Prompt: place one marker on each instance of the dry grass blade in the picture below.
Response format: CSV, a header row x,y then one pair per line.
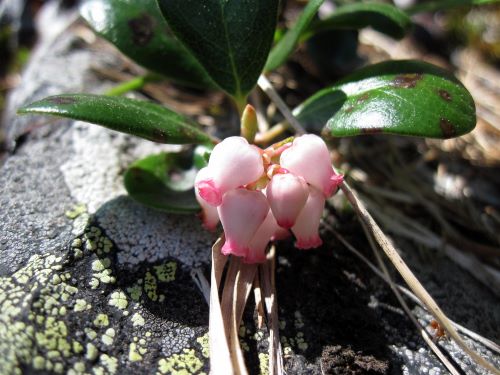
x,y
410,278
259,306
444,360
220,358
268,88
268,286
237,288
406,227
473,335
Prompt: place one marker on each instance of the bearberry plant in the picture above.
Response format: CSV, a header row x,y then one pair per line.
x,y
258,194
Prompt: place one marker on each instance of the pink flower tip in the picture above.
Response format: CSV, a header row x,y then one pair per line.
x,y
280,234
230,247
334,183
209,192
308,243
287,224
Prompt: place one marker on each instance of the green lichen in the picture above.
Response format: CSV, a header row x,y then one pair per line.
x,y
101,320
135,292
133,353
109,363
180,364
119,300
38,338
76,211
301,343
166,271
264,363
298,322
91,351
150,286
108,337
101,264
91,334
137,320
81,305
205,345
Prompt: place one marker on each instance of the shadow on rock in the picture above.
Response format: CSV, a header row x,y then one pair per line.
x,y
152,258
323,302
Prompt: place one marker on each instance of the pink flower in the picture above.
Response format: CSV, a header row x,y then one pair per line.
x,y
260,240
209,214
280,234
258,199
233,163
287,194
241,213
309,158
306,228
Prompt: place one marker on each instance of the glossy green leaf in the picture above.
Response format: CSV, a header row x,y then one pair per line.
x,y
201,155
382,17
157,182
433,6
230,38
140,118
397,97
138,29
287,43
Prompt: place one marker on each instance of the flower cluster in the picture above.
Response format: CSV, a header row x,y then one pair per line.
x,y
260,195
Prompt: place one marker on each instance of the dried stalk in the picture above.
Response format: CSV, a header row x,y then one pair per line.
x,y
410,278
268,88
383,241
411,229
220,357
405,307
268,286
473,335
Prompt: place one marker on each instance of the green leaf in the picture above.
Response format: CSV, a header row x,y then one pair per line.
x,y
138,29
201,155
140,118
396,97
434,6
157,182
385,18
230,38
287,43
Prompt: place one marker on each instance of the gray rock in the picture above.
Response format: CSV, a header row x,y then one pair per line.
x,y
93,282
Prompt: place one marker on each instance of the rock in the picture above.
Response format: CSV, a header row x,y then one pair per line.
x,y
93,282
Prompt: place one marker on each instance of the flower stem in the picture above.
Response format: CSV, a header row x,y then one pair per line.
x,y
136,83
270,91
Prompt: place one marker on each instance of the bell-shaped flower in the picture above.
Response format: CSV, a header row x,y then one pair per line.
x,y
287,195
241,214
280,234
260,240
309,158
209,214
306,228
233,163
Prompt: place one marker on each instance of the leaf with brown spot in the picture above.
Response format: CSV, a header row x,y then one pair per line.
x,y
140,118
61,100
407,81
142,28
394,97
445,95
138,30
447,128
